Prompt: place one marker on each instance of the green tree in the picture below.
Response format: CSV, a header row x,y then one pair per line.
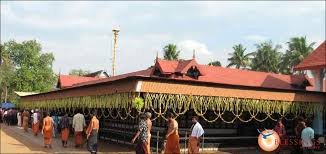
x,y
33,69
298,49
171,52
267,58
238,58
215,63
78,72
6,75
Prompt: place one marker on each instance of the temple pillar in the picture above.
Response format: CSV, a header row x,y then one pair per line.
x,y
318,115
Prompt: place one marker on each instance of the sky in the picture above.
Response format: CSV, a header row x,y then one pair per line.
x,y
79,34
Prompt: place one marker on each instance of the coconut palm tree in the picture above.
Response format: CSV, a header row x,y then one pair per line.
x,y
298,49
266,58
238,58
171,52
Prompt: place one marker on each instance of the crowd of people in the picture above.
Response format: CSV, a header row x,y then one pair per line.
x,y
50,125
171,139
304,134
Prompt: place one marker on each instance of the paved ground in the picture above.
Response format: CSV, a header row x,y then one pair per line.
x,y
15,140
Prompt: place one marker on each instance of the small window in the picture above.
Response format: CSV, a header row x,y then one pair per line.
x,y
193,72
157,72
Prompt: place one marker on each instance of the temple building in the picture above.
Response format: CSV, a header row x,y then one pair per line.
x,y
231,103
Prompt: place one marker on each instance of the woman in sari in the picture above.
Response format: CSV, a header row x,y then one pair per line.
x,y
47,130
142,136
64,124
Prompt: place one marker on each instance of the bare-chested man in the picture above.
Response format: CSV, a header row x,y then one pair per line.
x,y
172,136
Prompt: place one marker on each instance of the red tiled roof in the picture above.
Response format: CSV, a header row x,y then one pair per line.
x,y
316,60
146,72
215,74
167,66
69,80
250,78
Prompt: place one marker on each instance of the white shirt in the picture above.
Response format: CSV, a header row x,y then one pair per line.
x,y
35,117
197,130
307,135
78,122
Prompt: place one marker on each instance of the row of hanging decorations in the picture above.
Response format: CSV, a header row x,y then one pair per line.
x,y
121,106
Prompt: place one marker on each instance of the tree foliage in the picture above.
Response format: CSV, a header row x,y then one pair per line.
x,y
171,52
6,74
238,57
267,58
215,63
298,49
78,72
32,69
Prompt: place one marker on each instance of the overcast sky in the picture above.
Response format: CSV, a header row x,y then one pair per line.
x,y
79,33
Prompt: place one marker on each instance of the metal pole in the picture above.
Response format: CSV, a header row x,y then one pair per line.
x,y
115,36
157,139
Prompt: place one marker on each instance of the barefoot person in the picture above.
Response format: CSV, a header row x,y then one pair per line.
x,y
78,123
25,116
194,140
92,133
141,135
149,127
47,130
172,136
36,122
64,124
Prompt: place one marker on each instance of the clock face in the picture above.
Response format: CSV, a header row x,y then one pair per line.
x,y
269,140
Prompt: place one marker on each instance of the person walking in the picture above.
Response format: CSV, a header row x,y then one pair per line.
x,y
78,124
47,130
92,133
26,116
196,131
64,124
19,119
36,122
307,138
149,128
141,135
172,136
55,124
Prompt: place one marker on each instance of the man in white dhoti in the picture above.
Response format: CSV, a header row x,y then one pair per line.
x,y
36,122
194,139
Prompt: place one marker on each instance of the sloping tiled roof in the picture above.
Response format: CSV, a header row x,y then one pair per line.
x,y
215,74
316,60
146,72
69,80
